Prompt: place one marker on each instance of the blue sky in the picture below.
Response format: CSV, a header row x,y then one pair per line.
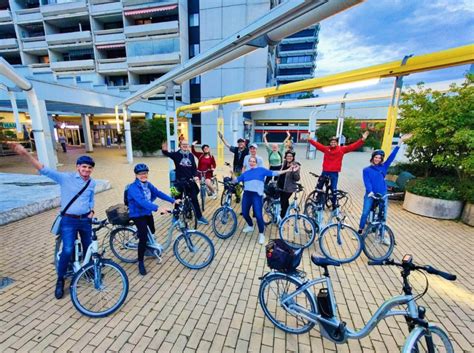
x,y
378,31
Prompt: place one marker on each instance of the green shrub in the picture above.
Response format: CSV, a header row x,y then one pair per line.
x,y
418,169
435,187
373,141
466,187
148,135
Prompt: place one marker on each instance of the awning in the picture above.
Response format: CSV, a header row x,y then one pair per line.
x,y
150,10
111,46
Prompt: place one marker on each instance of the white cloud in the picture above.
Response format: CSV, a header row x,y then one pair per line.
x,y
441,13
341,50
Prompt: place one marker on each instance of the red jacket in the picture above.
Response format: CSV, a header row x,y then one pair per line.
x,y
332,161
204,163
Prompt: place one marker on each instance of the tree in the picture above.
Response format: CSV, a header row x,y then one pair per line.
x,y
351,131
442,125
148,135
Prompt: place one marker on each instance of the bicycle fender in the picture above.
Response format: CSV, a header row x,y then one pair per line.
x,y
410,341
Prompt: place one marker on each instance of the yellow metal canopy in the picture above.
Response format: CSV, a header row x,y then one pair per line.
x,y
438,60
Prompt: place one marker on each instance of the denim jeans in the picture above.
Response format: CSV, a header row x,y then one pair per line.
x,y
69,229
254,200
333,177
368,202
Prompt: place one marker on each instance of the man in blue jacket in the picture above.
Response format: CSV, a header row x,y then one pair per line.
x,y
140,195
374,179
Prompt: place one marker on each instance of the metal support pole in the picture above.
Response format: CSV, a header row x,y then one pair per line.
x,y
41,131
220,129
340,118
117,118
311,150
11,94
86,129
128,134
175,119
234,121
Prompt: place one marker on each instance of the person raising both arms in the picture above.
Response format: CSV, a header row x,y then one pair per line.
x,y
275,152
206,164
332,160
253,179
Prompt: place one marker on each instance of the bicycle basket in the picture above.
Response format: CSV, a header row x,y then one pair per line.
x,y
118,215
282,257
271,190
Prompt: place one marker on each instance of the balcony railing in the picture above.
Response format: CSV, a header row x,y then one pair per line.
x,y
97,2
5,16
109,36
297,52
74,65
72,7
40,67
147,2
34,43
29,15
295,65
152,29
299,40
69,38
104,8
151,60
293,77
8,44
113,65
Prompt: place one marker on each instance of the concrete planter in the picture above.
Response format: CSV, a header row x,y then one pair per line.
x,y
430,207
147,154
468,214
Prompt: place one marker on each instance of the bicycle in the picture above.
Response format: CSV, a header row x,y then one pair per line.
x,y
271,204
291,306
185,187
378,237
324,194
99,286
186,247
227,193
204,189
224,219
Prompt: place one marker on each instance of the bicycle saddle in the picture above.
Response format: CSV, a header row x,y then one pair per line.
x,y
323,262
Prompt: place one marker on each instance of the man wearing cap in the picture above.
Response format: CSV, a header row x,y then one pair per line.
x,y
252,153
240,152
332,161
79,214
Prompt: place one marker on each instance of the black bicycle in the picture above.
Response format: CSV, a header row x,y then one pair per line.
x,y
186,187
224,220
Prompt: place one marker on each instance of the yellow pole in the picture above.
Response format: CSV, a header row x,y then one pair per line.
x,y
220,144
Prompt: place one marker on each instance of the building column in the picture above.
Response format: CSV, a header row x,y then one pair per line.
x,y
86,129
128,134
41,130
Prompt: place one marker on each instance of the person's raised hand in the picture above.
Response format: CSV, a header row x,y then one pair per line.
x,y
194,143
365,135
405,137
17,148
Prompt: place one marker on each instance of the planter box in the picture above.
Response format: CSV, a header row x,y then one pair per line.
x,y
468,214
430,207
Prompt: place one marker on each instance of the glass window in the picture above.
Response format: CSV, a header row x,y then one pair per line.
x,y
193,50
194,20
196,80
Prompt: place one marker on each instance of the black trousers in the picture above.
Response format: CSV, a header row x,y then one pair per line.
x,y
268,179
143,223
193,192
285,202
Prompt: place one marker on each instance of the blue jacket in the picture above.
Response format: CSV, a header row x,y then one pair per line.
x,y
138,205
374,175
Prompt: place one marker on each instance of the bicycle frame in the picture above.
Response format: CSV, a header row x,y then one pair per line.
x,y
384,311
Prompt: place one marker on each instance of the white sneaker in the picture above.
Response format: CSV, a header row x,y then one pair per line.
x,y
214,196
261,238
385,241
247,229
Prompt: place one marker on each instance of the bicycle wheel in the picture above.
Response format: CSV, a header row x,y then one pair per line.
x,y
267,211
123,242
278,286
215,185
203,192
188,216
423,340
297,230
224,222
379,241
194,249
340,242
98,290
311,210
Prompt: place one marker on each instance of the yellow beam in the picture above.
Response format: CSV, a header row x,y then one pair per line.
x,y
438,60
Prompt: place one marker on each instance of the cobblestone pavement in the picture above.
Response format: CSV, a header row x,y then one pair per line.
x,y
216,309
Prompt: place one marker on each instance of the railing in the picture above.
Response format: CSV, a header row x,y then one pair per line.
x,y
68,38
5,16
72,65
109,35
53,9
148,2
113,65
157,59
29,15
34,43
8,44
152,29
100,8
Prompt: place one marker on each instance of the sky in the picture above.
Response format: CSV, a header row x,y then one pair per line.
x,y
379,31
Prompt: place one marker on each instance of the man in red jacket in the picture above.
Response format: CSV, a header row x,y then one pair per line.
x,y
332,161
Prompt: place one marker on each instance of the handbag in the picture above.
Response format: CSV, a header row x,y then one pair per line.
x,y
56,227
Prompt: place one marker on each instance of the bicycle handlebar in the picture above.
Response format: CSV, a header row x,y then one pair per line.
x,y
410,266
381,197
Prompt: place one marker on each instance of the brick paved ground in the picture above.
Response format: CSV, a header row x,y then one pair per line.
x,y
216,309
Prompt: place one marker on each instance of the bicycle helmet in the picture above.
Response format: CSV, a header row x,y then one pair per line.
x,y
85,160
380,153
140,168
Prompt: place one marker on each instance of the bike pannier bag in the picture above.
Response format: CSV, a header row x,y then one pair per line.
x,y
324,303
282,257
118,215
56,227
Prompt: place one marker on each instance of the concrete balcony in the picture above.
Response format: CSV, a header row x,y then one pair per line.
x,y
98,2
148,2
34,43
29,15
299,40
112,65
293,77
297,52
157,59
5,16
8,44
69,38
36,68
74,65
65,8
295,65
106,8
109,36
152,29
